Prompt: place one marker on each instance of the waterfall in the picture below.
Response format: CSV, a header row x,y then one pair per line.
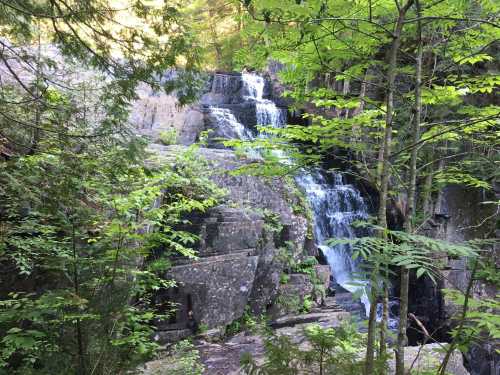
x,y
335,204
227,124
266,111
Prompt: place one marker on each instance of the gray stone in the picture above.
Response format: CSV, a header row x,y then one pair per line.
x,y
429,358
267,278
155,112
239,227
323,271
291,296
218,290
171,336
324,317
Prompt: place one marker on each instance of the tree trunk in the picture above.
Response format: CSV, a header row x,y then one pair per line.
x,y
81,370
385,320
384,164
463,318
370,345
36,135
410,212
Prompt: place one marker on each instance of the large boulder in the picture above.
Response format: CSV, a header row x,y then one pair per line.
x,y
216,288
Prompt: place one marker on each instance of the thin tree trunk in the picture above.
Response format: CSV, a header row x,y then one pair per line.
x,y
411,209
35,139
384,165
463,318
384,322
370,345
78,325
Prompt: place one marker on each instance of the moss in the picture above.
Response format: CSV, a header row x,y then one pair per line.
x,y
284,278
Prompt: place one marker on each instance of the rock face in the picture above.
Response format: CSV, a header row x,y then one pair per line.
x,y
217,288
460,216
239,263
153,113
228,110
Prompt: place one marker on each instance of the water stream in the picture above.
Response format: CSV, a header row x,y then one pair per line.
x,y
237,104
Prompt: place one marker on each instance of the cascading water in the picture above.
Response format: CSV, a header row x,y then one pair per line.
x,y
228,125
336,205
266,111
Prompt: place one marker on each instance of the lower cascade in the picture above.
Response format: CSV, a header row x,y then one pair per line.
x,y
336,206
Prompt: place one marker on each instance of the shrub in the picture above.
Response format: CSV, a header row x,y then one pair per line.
x,y
168,137
331,351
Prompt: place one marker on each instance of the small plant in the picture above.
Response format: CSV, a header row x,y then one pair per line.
x,y
307,305
272,221
331,351
202,328
168,137
284,278
289,303
248,322
233,328
489,272
306,266
183,359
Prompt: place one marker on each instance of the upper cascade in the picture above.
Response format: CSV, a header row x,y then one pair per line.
x,y
236,105
253,86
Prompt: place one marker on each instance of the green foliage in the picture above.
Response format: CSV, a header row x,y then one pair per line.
x,y
488,271
284,278
272,221
289,303
78,225
168,137
75,77
331,351
248,322
306,266
414,252
307,305
183,359
339,73
481,320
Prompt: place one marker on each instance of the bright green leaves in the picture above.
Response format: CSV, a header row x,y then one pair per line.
x,y
458,176
483,84
334,350
411,251
481,318
480,57
79,224
440,95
